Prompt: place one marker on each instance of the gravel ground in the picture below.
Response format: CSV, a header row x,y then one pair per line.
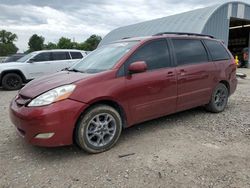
x,y
189,149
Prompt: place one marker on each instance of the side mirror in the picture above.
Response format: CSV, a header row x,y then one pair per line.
x,y
65,69
137,67
32,60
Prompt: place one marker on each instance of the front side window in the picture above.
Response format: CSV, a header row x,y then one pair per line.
x,y
60,55
103,58
217,50
189,51
26,57
155,54
43,56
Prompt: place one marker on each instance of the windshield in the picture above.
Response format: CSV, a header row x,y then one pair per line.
x,y
103,58
26,57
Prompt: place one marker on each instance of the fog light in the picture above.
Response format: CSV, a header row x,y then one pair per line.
x,y
44,135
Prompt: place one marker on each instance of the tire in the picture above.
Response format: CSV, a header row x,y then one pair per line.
x,y
12,81
219,99
98,129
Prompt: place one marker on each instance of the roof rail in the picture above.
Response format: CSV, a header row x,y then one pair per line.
x,y
126,38
180,33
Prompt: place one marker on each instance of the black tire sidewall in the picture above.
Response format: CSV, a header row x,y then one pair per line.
x,y
5,79
81,130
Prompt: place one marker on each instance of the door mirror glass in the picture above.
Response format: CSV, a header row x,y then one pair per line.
x,y
137,67
32,60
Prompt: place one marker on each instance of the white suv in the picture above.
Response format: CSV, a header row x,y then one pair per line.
x,y
36,64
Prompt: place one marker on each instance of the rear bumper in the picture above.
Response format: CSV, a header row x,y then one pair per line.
x,y
59,118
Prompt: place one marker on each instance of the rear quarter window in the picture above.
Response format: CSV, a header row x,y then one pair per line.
x,y
217,51
76,55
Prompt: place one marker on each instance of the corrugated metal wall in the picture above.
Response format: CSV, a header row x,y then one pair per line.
x,y
247,12
218,24
192,21
212,20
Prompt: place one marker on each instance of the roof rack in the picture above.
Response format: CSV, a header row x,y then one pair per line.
x,y
126,38
180,33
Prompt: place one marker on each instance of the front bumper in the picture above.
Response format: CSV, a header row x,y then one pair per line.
x,y
59,118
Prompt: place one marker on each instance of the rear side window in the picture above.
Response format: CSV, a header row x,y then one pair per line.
x,y
44,56
155,54
217,50
76,55
189,51
60,55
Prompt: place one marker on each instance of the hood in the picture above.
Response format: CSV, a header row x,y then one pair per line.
x,y
45,83
5,65
10,65
12,62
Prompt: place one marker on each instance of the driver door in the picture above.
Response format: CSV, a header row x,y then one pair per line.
x,y
153,93
40,65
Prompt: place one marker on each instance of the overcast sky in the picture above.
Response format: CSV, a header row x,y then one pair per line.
x,y
78,19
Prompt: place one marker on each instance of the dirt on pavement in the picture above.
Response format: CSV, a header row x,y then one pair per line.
x,y
194,148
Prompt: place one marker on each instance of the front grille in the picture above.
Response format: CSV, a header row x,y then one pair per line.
x,y
22,100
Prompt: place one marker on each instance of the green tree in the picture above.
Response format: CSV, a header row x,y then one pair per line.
x,y
65,43
36,43
7,46
83,46
92,42
7,49
50,46
7,37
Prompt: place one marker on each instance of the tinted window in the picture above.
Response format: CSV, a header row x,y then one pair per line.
x,y
189,51
76,55
60,55
155,54
44,56
217,50
26,57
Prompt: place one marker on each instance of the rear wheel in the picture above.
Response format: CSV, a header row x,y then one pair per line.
x,y
219,99
99,129
12,81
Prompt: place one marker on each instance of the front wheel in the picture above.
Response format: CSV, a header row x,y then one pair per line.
x,y
12,81
98,129
219,99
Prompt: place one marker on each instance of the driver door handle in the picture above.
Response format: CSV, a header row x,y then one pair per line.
x,y
170,74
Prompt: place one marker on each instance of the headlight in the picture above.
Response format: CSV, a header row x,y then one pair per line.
x,y
57,94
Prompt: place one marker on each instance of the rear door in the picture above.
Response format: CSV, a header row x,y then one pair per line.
x,y
195,73
152,93
61,60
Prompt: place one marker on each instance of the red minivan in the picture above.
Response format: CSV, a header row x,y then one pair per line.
x,y
121,84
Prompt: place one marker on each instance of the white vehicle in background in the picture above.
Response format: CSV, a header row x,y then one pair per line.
x,y
37,64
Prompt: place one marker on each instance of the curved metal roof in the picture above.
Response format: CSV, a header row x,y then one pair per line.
x,y
196,21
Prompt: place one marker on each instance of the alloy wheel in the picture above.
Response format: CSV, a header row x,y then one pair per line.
x,y
101,130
